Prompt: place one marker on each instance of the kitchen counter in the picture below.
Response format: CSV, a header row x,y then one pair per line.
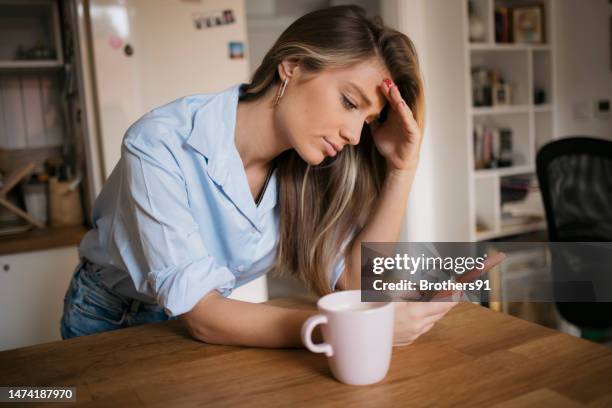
x,y
42,239
472,357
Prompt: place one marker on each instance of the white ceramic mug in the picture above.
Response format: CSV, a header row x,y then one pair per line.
x,y
358,337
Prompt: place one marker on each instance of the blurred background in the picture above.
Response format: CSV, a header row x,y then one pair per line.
x,y
503,79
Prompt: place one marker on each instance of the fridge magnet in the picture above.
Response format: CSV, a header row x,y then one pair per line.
x,y
228,16
213,18
236,50
528,24
115,42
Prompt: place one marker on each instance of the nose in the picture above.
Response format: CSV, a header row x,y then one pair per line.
x,y
351,136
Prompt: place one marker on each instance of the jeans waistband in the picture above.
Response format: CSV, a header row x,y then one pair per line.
x,y
123,288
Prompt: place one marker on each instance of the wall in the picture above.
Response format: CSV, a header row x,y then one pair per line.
x,y
267,19
584,74
439,197
420,222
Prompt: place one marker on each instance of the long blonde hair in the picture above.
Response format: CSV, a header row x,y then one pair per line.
x,y
322,206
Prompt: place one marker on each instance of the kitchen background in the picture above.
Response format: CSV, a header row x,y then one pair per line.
x,y
75,73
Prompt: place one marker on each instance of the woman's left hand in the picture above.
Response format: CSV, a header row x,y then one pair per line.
x,y
398,139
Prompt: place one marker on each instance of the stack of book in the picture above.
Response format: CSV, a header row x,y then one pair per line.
x,y
521,201
516,188
492,147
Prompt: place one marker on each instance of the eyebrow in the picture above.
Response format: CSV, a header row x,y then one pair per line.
x,y
361,93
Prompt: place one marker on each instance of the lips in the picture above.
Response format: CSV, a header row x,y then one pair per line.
x,y
332,149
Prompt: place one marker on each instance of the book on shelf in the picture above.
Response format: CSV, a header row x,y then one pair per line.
x,y
503,25
521,201
492,147
517,220
516,188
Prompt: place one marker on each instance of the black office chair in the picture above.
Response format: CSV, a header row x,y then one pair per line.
x,y
575,177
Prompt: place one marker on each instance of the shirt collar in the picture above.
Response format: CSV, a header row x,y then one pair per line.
x,y
212,135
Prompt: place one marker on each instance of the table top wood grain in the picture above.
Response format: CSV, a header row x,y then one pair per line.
x,y
472,357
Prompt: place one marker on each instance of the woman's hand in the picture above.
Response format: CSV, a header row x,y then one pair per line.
x,y
398,139
412,319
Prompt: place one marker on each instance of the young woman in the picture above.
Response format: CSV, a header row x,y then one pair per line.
x,y
289,172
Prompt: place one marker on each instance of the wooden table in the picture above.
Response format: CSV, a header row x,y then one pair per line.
x,y
472,357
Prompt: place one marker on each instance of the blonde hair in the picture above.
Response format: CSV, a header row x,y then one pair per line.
x,y
322,206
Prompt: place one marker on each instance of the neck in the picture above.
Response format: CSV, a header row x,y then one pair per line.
x,y
256,139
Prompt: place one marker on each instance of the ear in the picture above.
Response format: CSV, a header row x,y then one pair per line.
x,y
288,68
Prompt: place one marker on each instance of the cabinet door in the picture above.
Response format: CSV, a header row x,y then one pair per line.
x,y
32,289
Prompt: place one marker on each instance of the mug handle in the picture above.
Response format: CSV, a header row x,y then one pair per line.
x,y
307,329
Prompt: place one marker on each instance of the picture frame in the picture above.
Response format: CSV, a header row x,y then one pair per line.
x,y
501,94
528,24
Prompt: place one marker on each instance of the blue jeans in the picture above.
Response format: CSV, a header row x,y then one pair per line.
x,y
91,307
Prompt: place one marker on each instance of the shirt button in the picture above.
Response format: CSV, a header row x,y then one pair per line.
x,y
240,268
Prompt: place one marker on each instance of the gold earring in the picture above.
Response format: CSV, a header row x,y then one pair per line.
x,y
281,91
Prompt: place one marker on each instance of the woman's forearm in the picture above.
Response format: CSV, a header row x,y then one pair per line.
x,y
218,320
385,222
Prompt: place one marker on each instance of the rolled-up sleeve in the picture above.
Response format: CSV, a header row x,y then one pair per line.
x,y
177,265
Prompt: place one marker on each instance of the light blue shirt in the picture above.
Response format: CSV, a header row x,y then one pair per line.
x,y
176,218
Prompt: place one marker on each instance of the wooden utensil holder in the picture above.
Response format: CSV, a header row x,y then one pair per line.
x,y
64,203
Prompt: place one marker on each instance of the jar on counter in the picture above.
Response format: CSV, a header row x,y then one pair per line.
x,y
35,198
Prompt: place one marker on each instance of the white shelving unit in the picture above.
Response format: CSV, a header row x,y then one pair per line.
x,y
524,67
28,65
31,62
29,23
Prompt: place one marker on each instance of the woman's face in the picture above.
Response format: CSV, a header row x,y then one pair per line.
x,y
322,112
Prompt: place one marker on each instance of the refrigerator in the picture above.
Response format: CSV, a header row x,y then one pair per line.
x,y
136,55
144,53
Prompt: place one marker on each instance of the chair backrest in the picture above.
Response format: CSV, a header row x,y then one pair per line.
x,y
575,177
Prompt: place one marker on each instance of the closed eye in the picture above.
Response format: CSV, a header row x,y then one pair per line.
x,y
348,104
